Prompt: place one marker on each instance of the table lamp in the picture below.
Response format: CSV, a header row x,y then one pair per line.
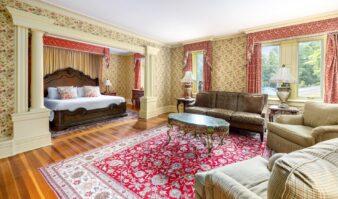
x,y
283,78
187,82
107,83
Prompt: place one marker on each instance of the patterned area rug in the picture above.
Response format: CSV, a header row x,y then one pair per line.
x,y
131,115
145,166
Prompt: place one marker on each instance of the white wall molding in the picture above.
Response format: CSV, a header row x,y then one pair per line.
x,y
66,12
29,20
323,16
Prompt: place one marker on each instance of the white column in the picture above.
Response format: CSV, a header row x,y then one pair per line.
x,y
149,100
37,70
21,69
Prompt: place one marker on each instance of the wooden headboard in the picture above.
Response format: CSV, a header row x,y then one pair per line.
x,y
68,77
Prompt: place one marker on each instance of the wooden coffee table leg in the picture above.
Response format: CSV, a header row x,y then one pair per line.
x,y
209,143
168,132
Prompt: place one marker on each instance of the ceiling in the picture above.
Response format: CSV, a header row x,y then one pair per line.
x,y
172,21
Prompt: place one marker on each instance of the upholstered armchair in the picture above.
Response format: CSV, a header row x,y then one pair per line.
x,y
319,122
310,173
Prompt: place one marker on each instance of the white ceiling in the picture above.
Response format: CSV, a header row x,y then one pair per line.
x,y
172,21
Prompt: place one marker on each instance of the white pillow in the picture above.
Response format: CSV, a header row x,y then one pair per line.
x,y
53,93
97,91
80,92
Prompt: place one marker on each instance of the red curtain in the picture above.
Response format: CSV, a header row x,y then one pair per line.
x,y
331,69
254,70
206,46
279,33
137,69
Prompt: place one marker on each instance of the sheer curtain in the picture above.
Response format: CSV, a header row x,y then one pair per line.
x,y
59,58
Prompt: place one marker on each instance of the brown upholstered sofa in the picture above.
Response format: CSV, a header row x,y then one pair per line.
x,y
310,173
241,110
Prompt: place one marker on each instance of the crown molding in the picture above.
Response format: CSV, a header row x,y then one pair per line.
x,y
41,23
322,16
69,13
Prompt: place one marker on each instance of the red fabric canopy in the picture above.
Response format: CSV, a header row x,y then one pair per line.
x,y
78,46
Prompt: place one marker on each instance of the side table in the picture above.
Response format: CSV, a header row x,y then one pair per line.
x,y
183,101
276,110
111,93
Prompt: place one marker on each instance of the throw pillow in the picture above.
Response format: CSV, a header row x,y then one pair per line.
x,y
67,92
251,103
90,91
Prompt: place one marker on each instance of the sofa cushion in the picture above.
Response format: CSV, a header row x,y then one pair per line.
x,y
254,175
297,134
320,114
220,113
308,173
252,103
244,117
226,100
197,110
206,99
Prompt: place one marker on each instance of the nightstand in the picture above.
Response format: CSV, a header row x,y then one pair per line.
x,y
183,101
111,93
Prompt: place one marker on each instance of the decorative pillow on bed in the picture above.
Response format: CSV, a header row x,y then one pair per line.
x,y
91,91
53,93
67,92
80,92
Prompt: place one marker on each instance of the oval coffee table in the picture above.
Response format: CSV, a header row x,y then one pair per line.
x,y
198,125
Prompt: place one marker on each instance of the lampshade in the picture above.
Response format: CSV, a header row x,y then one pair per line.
x,y
282,75
107,82
188,77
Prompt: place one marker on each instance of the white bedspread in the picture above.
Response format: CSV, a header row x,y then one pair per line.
x,y
88,103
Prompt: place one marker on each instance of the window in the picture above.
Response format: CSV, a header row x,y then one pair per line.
x,y
304,57
270,63
197,69
310,69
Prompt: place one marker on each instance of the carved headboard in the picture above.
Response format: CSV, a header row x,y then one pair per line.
x,y
68,77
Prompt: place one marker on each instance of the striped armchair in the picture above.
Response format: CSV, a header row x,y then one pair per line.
x,y
310,173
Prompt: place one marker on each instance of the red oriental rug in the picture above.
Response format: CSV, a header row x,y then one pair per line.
x,y
143,166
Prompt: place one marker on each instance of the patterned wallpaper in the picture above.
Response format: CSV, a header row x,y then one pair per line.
x,y
162,61
228,67
121,74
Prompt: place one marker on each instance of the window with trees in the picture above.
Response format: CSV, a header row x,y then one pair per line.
x,y
304,57
197,70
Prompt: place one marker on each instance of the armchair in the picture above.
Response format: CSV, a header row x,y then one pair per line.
x,y
318,123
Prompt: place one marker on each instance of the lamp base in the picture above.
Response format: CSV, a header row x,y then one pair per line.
x,y
187,91
283,94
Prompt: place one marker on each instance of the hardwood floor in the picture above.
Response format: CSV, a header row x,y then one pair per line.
x,y
19,175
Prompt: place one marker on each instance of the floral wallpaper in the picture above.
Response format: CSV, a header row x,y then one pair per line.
x,y
121,74
228,67
7,57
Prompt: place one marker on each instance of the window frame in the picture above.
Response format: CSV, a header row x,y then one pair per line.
x,y
295,41
194,69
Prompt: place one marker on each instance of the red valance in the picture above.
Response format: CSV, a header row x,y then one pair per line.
x,y
206,46
73,45
309,28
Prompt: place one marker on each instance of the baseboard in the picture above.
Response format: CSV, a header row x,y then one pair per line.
x,y
166,109
27,144
6,148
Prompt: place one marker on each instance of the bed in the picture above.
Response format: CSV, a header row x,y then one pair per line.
x,y
81,110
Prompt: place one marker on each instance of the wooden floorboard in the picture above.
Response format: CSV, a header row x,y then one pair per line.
x,y
20,177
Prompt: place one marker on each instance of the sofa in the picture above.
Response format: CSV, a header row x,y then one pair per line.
x,y
318,122
310,173
241,110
